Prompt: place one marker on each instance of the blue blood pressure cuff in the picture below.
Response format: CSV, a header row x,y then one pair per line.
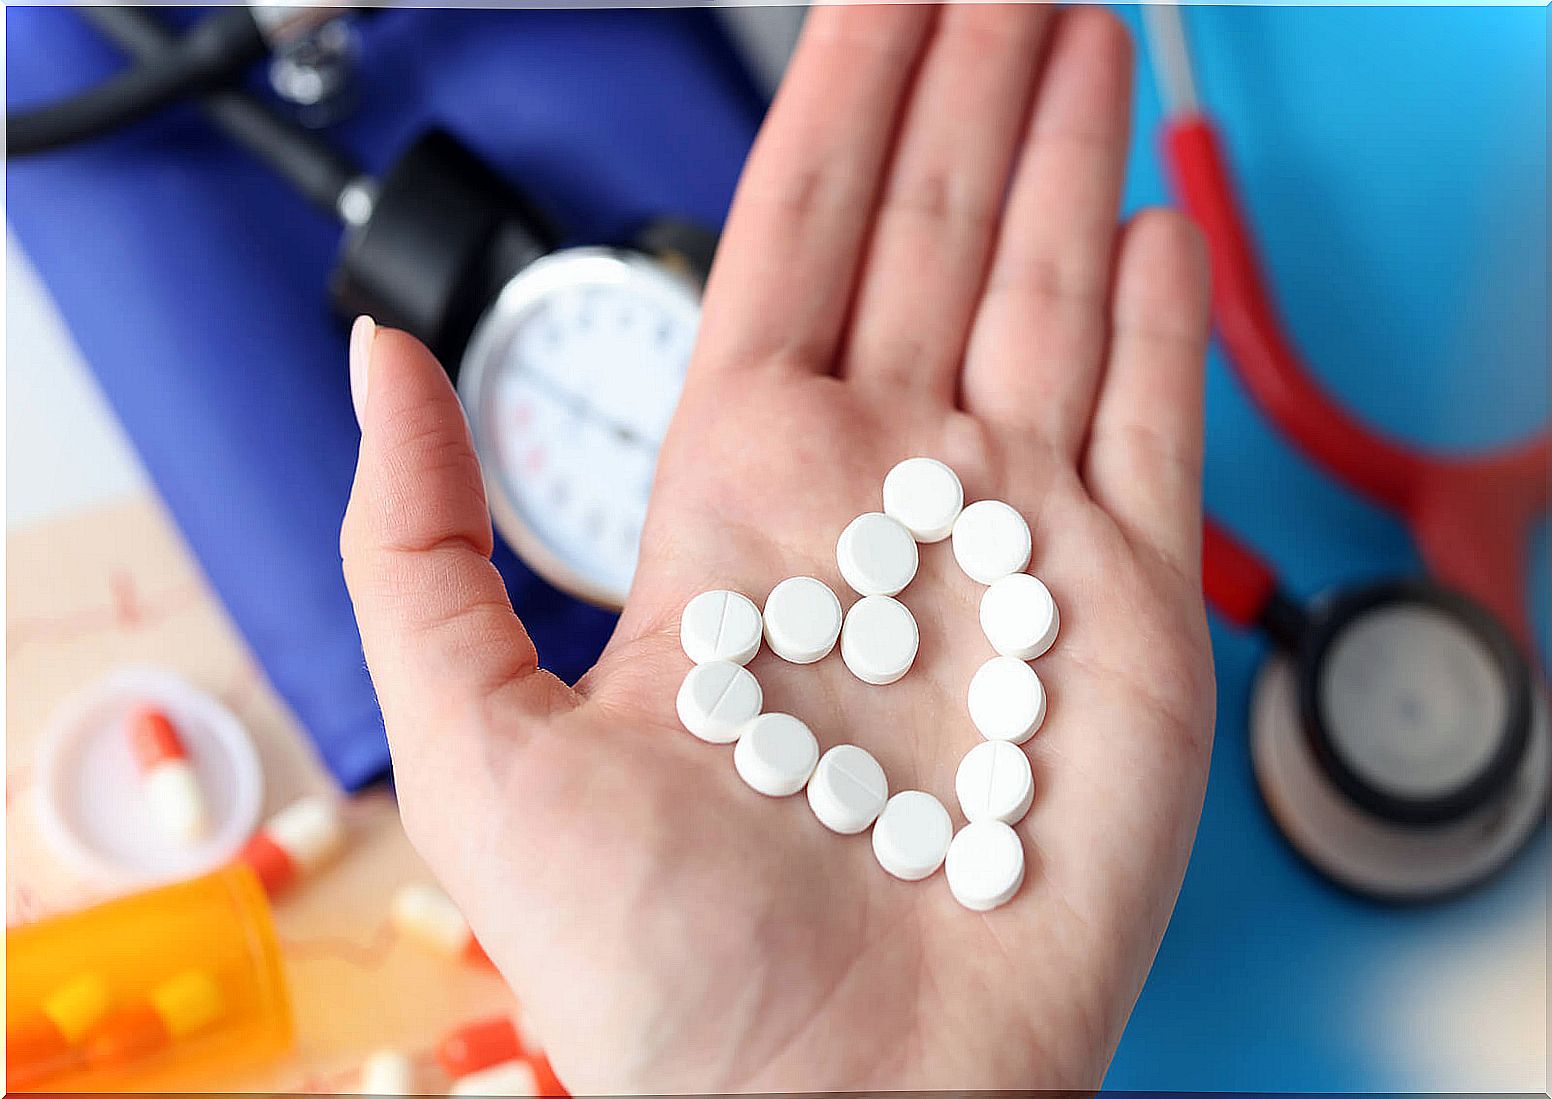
x,y
195,283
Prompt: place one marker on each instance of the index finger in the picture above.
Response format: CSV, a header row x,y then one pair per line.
x,y
783,278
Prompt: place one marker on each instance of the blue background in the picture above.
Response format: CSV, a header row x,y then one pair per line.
x,y
1394,167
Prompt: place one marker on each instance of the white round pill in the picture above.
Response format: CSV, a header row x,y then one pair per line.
x,y
985,865
912,835
877,555
925,497
991,540
848,789
802,620
776,754
717,699
994,782
1019,616
879,639
720,625
1007,700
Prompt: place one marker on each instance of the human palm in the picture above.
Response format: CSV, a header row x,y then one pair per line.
x,y
923,259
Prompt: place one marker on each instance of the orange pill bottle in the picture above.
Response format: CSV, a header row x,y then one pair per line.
x,y
171,989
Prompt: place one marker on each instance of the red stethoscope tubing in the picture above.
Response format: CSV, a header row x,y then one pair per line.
x,y
1470,516
1237,582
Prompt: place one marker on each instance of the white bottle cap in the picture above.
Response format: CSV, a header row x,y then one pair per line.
x,y
90,801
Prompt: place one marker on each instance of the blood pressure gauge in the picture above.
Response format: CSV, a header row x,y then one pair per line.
x,y
1400,742
569,361
570,380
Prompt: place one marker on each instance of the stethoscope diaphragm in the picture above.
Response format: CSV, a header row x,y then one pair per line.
x,y
1371,854
1416,702
1397,731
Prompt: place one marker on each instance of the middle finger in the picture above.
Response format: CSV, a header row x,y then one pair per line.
x,y
941,204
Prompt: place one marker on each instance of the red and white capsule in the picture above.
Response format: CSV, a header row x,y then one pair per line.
x,y
549,1083
480,1045
295,843
490,1043
387,1072
509,1078
167,776
422,912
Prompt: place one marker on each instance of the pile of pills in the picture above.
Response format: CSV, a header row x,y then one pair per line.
x,y
777,754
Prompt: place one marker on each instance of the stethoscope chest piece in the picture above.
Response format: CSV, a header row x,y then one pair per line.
x,y
1399,799
1398,733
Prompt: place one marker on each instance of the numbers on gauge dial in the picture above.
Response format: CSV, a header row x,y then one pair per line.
x,y
577,408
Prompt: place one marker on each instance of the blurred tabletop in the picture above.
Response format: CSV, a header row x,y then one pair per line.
x,y
96,578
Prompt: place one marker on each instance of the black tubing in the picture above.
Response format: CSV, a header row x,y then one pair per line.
x,y
213,52
317,169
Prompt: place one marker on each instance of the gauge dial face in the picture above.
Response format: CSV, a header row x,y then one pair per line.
x,y
1414,701
570,382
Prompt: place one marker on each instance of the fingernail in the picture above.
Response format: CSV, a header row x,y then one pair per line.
x,y
362,333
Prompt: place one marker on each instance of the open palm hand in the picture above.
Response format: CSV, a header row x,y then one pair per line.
x,y
923,258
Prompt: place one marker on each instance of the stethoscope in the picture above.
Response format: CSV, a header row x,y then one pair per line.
x,y
1399,733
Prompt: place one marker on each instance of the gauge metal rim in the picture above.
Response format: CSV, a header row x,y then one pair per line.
x,y
1377,858
539,279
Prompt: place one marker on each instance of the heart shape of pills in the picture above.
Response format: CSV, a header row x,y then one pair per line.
x,y
778,755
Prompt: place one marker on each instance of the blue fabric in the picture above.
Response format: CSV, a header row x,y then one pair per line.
x,y
194,284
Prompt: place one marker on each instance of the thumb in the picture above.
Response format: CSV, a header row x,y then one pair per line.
x,y
442,642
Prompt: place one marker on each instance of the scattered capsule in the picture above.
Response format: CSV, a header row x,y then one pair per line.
x,y
177,1008
35,1050
294,843
78,1005
479,1045
549,1083
387,1072
507,1078
167,777
41,1045
423,912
